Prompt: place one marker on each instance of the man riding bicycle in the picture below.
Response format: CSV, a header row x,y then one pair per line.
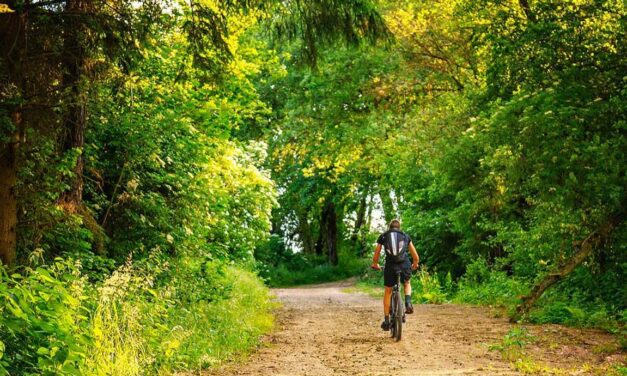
x,y
396,244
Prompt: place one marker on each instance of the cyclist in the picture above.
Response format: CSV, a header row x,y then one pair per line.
x,y
396,244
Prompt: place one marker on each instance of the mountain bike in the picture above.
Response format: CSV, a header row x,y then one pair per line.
x,y
397,309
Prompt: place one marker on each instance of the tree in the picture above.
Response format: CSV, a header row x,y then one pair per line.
x,y
84,41
13,56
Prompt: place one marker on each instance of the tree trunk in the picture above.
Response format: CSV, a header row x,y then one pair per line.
x,y
524,4
330,215
319,243
360,221
370,205
388,206
322,230
582,252
304,232
12,57
361,216
74,62
8,199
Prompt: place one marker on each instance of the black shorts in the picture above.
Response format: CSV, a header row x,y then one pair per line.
x,y
390,270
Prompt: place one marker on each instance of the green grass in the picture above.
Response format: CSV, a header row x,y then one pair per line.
x,y
173,332
221,330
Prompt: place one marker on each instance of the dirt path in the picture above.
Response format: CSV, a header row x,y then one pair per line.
x,y
323,330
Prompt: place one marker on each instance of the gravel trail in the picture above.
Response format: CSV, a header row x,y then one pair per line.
x,y
327,329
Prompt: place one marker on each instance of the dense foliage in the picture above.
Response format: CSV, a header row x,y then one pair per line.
x,y
133,186
158,160
494,129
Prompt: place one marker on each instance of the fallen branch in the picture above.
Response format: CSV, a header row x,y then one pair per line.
x,y
583,250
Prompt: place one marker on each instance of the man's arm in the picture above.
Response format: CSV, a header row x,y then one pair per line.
x,y
414,256
375,260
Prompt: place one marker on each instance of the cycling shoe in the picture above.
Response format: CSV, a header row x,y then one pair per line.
x,y
409,309
385,325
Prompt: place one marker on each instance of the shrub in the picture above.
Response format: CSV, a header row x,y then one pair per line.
x,y
145,318
513,344
427,288
481,285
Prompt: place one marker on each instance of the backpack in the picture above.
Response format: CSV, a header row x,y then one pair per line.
x,y
395,244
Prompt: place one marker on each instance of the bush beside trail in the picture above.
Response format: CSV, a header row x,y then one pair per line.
x,y
53,321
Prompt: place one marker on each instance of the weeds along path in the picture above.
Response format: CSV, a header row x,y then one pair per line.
x,y
328,329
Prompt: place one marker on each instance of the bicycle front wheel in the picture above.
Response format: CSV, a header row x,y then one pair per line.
x,y
398,320
393,300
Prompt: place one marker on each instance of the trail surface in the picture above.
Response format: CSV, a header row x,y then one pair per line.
x,y
325,330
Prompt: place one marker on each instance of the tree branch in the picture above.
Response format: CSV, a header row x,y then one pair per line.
x,y
583,251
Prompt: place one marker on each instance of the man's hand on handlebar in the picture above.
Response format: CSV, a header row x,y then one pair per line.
x,y
375,266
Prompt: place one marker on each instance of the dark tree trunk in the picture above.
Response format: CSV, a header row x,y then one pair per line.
x,y
12,57
322,230
330,215
361,215
8,199
388,206
370,205
304,231
360,221
74,62
524,4
319,243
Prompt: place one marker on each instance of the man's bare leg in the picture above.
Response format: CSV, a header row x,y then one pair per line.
x,y
387,295
407,289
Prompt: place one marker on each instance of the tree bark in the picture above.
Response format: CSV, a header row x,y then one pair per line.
x,y
583,250
524,4
330,215
370,205
360,221
8,199
12,57
319,244
388,206
321,240
74,62
361,215
304,231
